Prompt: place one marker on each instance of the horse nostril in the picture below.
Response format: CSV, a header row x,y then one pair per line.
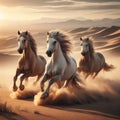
x,y
20,50
49,53
83,53
46,52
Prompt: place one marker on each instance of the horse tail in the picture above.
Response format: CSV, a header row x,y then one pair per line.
x,y
107,67
43,59
77,81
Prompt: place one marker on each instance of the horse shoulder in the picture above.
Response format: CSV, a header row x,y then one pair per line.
x,y
100,55
99,58
42,59
20,62
70,68
73,60
48,68
82,63
56,68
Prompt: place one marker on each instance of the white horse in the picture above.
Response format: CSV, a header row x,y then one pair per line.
x,y
62,66
91,62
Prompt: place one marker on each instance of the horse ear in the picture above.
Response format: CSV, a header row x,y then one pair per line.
x,y
87,38
57,33
26,32
81,39
18,32
48,33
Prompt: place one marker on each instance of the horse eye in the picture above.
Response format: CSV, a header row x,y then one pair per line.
x,y
23,40
54,42
47,41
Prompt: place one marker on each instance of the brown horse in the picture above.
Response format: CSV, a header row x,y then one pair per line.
x,y
91,63
30,64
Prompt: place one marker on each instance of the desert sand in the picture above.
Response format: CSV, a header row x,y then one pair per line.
x,y
97,100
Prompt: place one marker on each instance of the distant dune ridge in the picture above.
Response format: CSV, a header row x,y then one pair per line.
x,y
105,38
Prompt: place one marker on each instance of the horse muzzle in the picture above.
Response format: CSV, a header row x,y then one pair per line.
x,y
49,53
83,53
20,51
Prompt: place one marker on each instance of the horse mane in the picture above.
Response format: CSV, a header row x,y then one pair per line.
x,y
64,41
91,47
32,43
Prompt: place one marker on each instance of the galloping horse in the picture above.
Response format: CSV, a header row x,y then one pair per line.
x,y
91,63
30,64
62,66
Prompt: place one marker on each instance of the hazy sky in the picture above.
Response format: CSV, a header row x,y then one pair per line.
x,y
37,9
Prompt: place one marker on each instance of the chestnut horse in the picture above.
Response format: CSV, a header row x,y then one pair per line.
x,y
30,64
91,62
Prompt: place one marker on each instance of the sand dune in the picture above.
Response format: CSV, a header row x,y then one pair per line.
x,y
78,30
101,37
99,34
112,36
108,31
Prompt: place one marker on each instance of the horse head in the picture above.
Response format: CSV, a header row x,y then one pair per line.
x,y
23,36
52,43
85,46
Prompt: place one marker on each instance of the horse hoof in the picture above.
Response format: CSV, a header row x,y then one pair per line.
x,y
15,88
42,90
22,87
44,95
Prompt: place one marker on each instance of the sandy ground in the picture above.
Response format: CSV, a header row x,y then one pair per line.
x,y
94,111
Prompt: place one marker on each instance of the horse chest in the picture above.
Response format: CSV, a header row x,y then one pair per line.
x,y
25,66
54,69
85,66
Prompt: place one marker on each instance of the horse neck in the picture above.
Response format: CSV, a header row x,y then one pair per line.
x,y
27,52
88,57
58,54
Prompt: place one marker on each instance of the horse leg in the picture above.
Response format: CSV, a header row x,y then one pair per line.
x,y
21,80
86,75
66,83
95,74
18,72
46,93
45,78
38,77
75,79
59,84
26,81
